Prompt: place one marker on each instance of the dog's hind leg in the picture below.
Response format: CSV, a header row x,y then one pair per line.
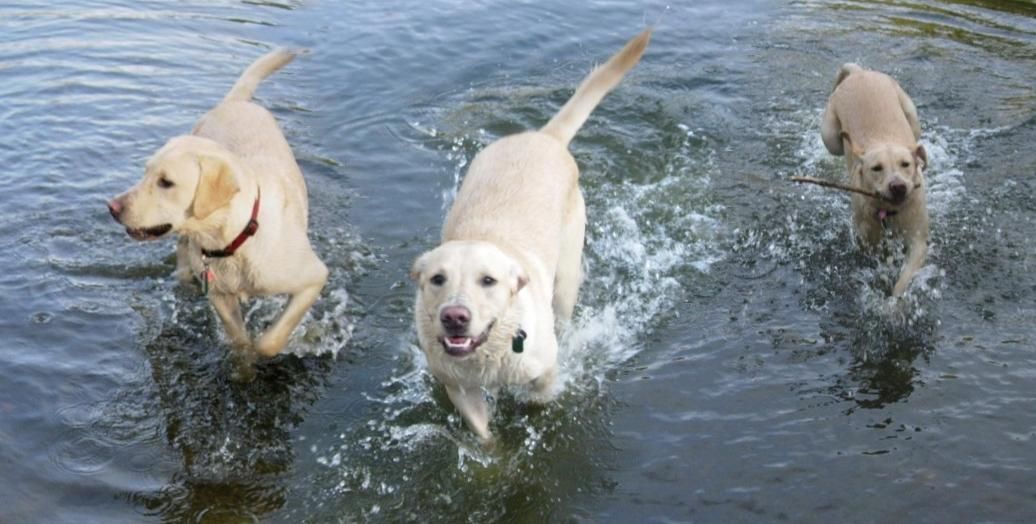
x,y
275,338
831,131
569,274
910,111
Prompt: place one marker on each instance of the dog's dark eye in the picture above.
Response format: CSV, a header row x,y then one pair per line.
x,y
164,183
488,281
904,164
878,167
439,279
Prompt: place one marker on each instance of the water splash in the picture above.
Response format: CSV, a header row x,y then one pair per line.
x,y
819,241
636,267
649,237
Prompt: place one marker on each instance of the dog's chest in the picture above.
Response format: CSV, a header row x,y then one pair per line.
x,y
228,275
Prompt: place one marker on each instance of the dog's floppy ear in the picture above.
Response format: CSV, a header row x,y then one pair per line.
x,y
518,278
418,267
856,172
921,157
852,147
216,186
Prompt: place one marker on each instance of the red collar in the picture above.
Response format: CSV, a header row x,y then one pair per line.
x,y
250,228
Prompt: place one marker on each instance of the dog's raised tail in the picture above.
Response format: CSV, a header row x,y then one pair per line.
x,y
265,66
602,79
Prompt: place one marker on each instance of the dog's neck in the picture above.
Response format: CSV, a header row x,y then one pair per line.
x,y
250,229
220,228
517,317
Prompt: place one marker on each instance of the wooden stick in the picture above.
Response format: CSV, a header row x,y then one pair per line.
x,y
838,185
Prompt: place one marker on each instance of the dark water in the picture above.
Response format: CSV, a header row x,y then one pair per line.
x,y
733,359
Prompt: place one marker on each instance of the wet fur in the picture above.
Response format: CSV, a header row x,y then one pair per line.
x,y
519,218
235,151
872,121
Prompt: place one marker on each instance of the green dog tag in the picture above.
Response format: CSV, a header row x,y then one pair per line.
x,y
518,341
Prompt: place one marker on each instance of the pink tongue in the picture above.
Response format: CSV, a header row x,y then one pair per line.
x,y
458,341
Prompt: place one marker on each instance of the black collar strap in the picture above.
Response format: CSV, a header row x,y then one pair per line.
x,y
250,228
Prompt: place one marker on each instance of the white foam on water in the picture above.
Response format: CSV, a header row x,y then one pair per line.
x,y
324,330
635,270
948,149
456,153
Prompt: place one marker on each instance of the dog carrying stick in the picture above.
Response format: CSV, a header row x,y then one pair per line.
x,y
837,185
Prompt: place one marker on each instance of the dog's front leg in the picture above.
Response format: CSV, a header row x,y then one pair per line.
x,y
543,386
473,407
183,271
916,253
228,308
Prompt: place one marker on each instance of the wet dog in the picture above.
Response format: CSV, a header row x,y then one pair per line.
x,y
872,121
234,194
510,261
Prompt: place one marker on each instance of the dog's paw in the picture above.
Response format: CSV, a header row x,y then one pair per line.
x,y
544,388
270,346
241,365
540,398
487,443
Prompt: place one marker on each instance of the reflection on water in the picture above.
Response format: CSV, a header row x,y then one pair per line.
x,y
229,444
734,356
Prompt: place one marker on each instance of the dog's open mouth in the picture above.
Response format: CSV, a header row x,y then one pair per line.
x,y
461,345
148,233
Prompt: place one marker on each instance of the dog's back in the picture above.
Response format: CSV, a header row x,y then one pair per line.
x,y
518,190
869,107
251,132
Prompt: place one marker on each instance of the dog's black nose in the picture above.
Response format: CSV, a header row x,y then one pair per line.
x,y
115,208
898,190
455,318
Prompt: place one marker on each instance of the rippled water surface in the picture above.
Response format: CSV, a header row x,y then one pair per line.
x,y
734,358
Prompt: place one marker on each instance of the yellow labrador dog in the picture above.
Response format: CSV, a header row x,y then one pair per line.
x,y
234,194
872,121
511,257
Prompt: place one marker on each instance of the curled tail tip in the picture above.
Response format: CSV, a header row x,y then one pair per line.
x,y
634,49
291,53
261,68
847,69
283,56
641,41
594,87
